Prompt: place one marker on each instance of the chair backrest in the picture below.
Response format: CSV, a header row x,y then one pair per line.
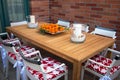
x,y
11,49
18,23
105,32
34,64
63,23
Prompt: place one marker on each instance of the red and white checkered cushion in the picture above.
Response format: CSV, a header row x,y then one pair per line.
x,y
24,48
48,64
15,41
9,40
101,69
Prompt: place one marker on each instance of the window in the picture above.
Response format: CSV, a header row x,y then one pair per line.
x,y
16,10
13,11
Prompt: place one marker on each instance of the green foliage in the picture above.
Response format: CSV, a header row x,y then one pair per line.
x,y
42,31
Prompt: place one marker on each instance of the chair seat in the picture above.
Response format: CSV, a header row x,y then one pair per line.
x,y
24,48
48,63
101,69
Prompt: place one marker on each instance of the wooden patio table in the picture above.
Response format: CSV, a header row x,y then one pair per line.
x,y
61,45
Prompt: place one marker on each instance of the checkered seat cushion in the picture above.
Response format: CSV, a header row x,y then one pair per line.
x,y
48,63
23,48
101,69
7,41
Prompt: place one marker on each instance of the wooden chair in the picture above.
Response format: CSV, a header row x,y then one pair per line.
x,y
44,68
101,66
63,23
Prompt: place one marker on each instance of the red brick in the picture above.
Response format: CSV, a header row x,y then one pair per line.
x,y
98,1
96,16
109,17
61,14
80,4
114,22
116,6
57,6
113,1
104,5
79,17
91,4
75,6
97,9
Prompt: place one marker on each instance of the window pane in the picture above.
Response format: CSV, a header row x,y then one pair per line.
x,y
16,10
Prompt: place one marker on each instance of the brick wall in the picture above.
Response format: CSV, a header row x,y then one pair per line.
x,y
105,13
40,8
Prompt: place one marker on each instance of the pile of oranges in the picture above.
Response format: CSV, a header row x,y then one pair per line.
x,y
52,28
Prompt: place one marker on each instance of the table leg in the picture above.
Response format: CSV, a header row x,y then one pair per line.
x,y
76,71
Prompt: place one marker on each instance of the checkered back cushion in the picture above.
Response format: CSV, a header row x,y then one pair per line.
x,y
100,69
48,63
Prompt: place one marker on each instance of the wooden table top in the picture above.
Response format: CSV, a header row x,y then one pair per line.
x,y
61,44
